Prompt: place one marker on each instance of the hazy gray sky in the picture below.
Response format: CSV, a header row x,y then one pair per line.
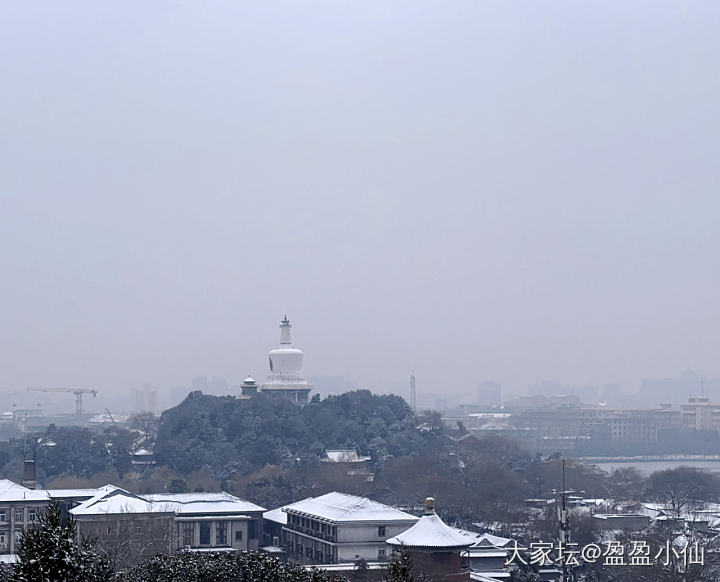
x,y
505,190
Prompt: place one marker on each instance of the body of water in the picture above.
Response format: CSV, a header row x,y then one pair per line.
x,y
647,467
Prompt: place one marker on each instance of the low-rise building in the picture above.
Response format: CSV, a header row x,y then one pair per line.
x,y
337,527
20,507
131,527
489,554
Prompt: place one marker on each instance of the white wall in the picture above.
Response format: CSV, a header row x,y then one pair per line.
x,y
369,533
348,552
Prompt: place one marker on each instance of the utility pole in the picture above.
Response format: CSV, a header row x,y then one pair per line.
x,y
564,527
413,401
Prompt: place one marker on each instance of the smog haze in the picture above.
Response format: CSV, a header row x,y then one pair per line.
x,y
471,190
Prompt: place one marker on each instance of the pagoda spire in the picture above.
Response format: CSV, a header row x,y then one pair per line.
x,y
285,326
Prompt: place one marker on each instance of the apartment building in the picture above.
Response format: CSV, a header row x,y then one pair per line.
x,y
336,528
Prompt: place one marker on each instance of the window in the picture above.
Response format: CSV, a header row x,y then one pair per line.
x,y
221,533
381,531
32,515
188,533
238,535
19,515
252,530
381,553
275,541
18,534
2,516
3,541
204,534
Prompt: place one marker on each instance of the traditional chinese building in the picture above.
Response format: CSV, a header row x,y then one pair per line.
x,y
249,387
434,547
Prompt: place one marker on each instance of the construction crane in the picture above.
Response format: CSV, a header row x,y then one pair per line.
x,y
111,416
77,391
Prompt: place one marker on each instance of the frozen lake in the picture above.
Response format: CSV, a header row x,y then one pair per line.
x,y
650,466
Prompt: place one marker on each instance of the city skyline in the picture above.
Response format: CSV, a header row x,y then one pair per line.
x,y
482,191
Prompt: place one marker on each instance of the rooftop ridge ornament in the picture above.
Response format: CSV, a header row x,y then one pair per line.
x,y
429,505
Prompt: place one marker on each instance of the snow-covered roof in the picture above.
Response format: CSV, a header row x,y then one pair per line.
x,y
189,503
431,532
489,540
143,452
11,491
276,515
620,516
273,549
483,540
668,518
113,500
344,456
8,487
346,567
489,576
341,507
497,541
476,552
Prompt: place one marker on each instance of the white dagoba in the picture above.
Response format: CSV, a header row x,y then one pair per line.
x,y
286,379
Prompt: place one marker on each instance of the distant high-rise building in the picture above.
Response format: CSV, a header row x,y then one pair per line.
x,y
286,379
677,390
146,399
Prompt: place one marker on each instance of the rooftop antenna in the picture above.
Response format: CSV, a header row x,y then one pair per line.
x,y
564,525
413,402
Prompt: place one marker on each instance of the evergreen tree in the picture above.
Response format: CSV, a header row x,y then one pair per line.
x,y
361,570
49,552
400,569
222,567
5,572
